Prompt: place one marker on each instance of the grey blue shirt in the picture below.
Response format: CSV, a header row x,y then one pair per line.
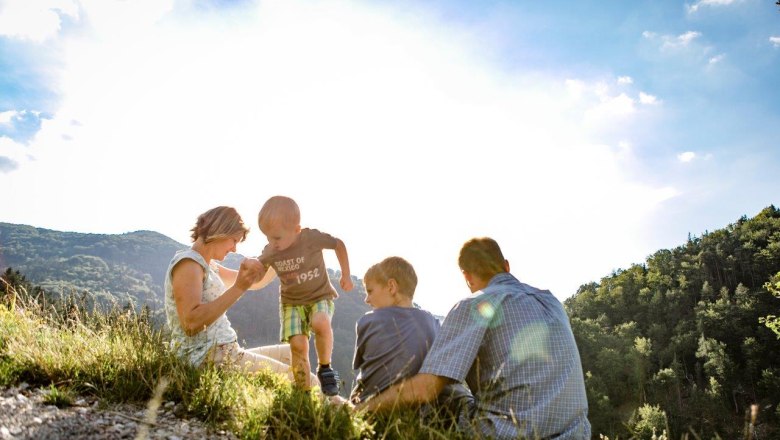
x,y
391,345
195,347
513,345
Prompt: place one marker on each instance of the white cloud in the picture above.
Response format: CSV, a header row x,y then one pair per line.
x,y
575,87
7,116
609,109
682,40
282,98
775,41
15,152
673,42
647,99
36,20
696,6
686,156
601,104
625,80
688,47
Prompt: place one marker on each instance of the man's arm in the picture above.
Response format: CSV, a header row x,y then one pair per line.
x,y
418,389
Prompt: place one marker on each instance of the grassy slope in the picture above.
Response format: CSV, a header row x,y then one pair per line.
x,y
119,356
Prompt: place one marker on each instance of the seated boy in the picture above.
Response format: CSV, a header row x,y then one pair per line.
x,y
393,339
306,293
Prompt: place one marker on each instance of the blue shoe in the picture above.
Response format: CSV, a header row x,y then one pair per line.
x,y
329,381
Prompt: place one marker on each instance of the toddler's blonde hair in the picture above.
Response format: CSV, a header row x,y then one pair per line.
x,y
279,210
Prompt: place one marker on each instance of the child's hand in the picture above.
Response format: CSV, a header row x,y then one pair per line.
x,y
346,283
250,272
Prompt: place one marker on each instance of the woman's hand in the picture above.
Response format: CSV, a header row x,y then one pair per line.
x,y
250,272
194,314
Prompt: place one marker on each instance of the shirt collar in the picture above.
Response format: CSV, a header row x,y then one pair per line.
x,y
501,278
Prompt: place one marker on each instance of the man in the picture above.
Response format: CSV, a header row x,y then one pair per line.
x,y
512,344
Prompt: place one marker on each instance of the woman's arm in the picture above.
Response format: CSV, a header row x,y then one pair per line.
x,y
187,282
229,277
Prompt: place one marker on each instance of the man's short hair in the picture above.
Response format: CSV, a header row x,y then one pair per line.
x,y
395,268
482,257
281,211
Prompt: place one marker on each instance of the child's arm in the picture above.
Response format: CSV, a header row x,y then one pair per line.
x,y
269,276
346,277
229,277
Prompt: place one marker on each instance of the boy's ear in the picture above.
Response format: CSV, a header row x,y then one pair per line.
x,y
392,285
298,229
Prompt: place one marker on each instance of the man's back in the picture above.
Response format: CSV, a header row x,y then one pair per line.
x,y
513,345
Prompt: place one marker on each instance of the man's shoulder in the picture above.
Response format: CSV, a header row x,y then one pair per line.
x,y
506,284
485,303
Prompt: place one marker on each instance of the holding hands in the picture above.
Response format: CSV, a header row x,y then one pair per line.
x,y
250,272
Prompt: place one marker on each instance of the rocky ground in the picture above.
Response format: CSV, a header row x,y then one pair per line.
x,y
25,415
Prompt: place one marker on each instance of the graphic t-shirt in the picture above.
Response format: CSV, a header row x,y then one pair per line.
x,y
301,268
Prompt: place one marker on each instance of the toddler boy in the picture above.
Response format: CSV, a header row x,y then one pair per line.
x,y
306,300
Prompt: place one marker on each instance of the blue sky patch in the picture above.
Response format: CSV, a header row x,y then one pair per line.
x,y
20,126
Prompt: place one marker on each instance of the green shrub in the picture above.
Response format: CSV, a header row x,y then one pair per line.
x,y
61,398
648,421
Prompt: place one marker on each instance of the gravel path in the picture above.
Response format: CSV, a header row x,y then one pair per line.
x,y
24,415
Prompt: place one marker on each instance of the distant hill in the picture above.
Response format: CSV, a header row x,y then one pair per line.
x,y
130,268
126,266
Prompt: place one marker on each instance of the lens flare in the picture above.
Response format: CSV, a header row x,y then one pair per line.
x,y
531,343
486,310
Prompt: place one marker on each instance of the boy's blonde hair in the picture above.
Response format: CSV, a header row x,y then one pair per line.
x,y
217,223
279,210
395,268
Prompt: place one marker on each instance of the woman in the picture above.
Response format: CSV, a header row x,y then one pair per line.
x,y
196,297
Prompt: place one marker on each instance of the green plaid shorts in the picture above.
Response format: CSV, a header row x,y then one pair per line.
x,y
296,319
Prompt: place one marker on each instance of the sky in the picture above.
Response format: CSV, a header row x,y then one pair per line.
x,y
582,136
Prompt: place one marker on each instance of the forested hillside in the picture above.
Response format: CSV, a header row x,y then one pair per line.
x,y
124,267
680,335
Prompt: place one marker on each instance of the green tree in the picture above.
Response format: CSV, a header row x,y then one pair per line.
x,y
772,321
699,304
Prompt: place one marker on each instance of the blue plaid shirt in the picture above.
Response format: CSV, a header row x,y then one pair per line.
x,y
513,345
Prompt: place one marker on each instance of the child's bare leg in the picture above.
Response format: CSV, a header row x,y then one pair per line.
x,y
283,354
323,337
299,346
